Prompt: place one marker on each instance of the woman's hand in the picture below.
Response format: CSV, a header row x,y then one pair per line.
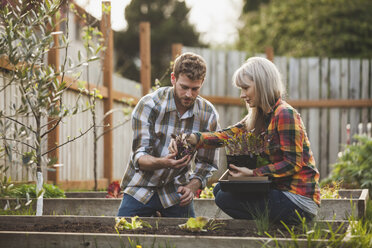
x,y
240,171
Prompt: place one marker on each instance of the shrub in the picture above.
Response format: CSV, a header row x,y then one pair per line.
x,y
354,165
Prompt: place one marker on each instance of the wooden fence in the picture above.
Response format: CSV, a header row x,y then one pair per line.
x,y
333,96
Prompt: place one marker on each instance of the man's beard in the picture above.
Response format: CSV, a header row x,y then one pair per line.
x,y
190,101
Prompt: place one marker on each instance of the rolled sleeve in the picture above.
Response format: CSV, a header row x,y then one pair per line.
x,y
207,159
142,125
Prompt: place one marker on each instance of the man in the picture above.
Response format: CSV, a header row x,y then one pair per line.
x,y
155,181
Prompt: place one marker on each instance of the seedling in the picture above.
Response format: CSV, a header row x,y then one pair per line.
x,y
200,224
113,190
183,147
136,223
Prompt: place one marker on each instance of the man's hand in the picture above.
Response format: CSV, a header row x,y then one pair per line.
x,y
240,171
151,163
169,161
188,192
186,195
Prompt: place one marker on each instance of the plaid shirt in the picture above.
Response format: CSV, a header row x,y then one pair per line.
x,y
154,119
292,166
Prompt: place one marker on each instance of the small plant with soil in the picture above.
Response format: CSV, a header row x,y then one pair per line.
x,y
183,147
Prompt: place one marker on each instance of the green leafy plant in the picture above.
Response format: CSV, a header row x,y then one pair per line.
x,y
354,165
207,192
330,191
21,191
200,224
333,235
135,223
247,143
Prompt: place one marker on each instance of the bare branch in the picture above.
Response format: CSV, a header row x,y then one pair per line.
x,y
19,141
111,129
20,123
75,138
54,127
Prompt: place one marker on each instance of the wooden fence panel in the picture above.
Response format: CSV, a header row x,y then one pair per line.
x,y
354,93
334,113
344,95
364,94
304,71
324,130
17,171
77,156
313,126
122,141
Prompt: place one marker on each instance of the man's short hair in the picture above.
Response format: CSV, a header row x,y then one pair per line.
x,y
191,65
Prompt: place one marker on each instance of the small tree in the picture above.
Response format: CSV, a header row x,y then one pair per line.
x,y
26,36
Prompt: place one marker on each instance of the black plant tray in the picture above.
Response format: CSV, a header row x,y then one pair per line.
x,y
242,161
244,186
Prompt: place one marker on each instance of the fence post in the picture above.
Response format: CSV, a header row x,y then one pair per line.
x,y
176,50
145,56
269,53
53,136
109,101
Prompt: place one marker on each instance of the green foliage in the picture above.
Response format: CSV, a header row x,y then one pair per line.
x,y
169,24
200,224
136,223
207,192
26,37
333,28
36,108
354,165
332,235
21,191
330,191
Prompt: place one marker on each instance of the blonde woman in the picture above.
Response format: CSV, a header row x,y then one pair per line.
x,y
290,166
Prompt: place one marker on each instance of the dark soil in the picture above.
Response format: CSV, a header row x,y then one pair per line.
x,y
277,230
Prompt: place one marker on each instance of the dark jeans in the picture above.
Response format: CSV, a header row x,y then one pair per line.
x,y
131,207
252,206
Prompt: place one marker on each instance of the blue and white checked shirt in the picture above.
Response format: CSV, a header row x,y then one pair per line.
x,y
154,119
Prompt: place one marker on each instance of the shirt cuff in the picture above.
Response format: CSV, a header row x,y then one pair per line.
x,y
135,159
257,173
203,181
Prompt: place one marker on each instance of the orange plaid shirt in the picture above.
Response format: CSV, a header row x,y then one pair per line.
x,y
292,165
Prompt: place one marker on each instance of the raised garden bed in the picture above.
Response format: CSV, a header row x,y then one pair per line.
x,y
67,231
330,208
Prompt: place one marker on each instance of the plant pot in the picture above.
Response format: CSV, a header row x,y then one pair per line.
x,y
248,161
252,185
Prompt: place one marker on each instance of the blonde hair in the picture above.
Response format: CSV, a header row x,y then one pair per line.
x,y
268,87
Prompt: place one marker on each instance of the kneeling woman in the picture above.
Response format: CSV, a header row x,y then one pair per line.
x,y
291,165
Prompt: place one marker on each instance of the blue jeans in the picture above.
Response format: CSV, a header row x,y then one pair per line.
x,y
251,206
131,207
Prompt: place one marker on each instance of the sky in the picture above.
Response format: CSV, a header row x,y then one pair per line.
x,y
216,20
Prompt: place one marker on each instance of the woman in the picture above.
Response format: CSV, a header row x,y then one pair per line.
x,y
291,165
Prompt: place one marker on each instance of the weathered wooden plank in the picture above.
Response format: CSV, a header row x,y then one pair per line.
x,y
314,93
208,84
304,89
354,93
324,129
294,79
334,113
365,93
282,65
344,95
221,80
